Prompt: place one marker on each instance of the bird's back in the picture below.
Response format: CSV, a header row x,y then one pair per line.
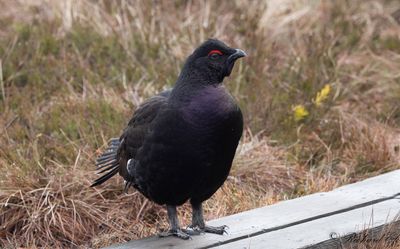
x,y
114,159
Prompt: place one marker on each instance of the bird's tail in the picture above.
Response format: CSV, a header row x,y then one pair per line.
x,y
108,163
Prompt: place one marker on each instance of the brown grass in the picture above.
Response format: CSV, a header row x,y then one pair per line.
x,y
72,72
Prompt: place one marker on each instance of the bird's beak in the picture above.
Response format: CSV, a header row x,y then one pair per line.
x,y
238,54
230,62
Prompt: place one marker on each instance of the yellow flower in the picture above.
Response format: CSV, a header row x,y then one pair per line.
x,y
322,95
299,112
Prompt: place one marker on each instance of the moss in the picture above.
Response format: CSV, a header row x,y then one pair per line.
x,y
49,45
23,31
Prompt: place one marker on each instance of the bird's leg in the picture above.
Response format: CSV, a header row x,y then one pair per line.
x,y
198,224
174,229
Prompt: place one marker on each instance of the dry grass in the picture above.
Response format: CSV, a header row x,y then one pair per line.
x,y
71,73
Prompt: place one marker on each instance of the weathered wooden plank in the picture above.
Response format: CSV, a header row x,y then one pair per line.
x,y
322,232
286,214
384,233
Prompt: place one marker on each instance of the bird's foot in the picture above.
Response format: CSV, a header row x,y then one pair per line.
x,y
175,232
196,230
193,230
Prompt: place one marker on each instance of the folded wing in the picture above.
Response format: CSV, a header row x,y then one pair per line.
x,y
114,159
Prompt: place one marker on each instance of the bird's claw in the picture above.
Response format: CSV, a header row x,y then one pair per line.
x,y
177,233
196,230
193,230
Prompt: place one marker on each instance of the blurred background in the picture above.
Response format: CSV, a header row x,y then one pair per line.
x,y
320,92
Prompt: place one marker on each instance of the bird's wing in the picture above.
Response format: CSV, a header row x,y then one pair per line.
x,y
114,158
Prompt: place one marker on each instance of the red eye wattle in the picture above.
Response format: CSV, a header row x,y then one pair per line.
x,y
214,52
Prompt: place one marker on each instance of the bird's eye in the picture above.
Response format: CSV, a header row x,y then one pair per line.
x,y
214,54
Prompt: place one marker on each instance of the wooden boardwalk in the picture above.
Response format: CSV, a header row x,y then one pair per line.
x,y
321,220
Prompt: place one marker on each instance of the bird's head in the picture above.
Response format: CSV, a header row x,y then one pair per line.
x,y
214,60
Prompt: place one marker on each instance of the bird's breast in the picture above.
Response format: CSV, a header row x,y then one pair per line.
x,y
209,107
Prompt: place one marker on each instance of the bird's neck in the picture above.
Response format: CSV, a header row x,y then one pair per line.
x,y
191,74
190,82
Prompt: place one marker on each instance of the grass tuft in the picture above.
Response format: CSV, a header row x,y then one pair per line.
x,y
72,72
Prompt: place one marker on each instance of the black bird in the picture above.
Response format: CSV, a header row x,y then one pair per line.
x,y
179,144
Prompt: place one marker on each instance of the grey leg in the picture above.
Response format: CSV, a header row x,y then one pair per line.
x,y
174,229
198,224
